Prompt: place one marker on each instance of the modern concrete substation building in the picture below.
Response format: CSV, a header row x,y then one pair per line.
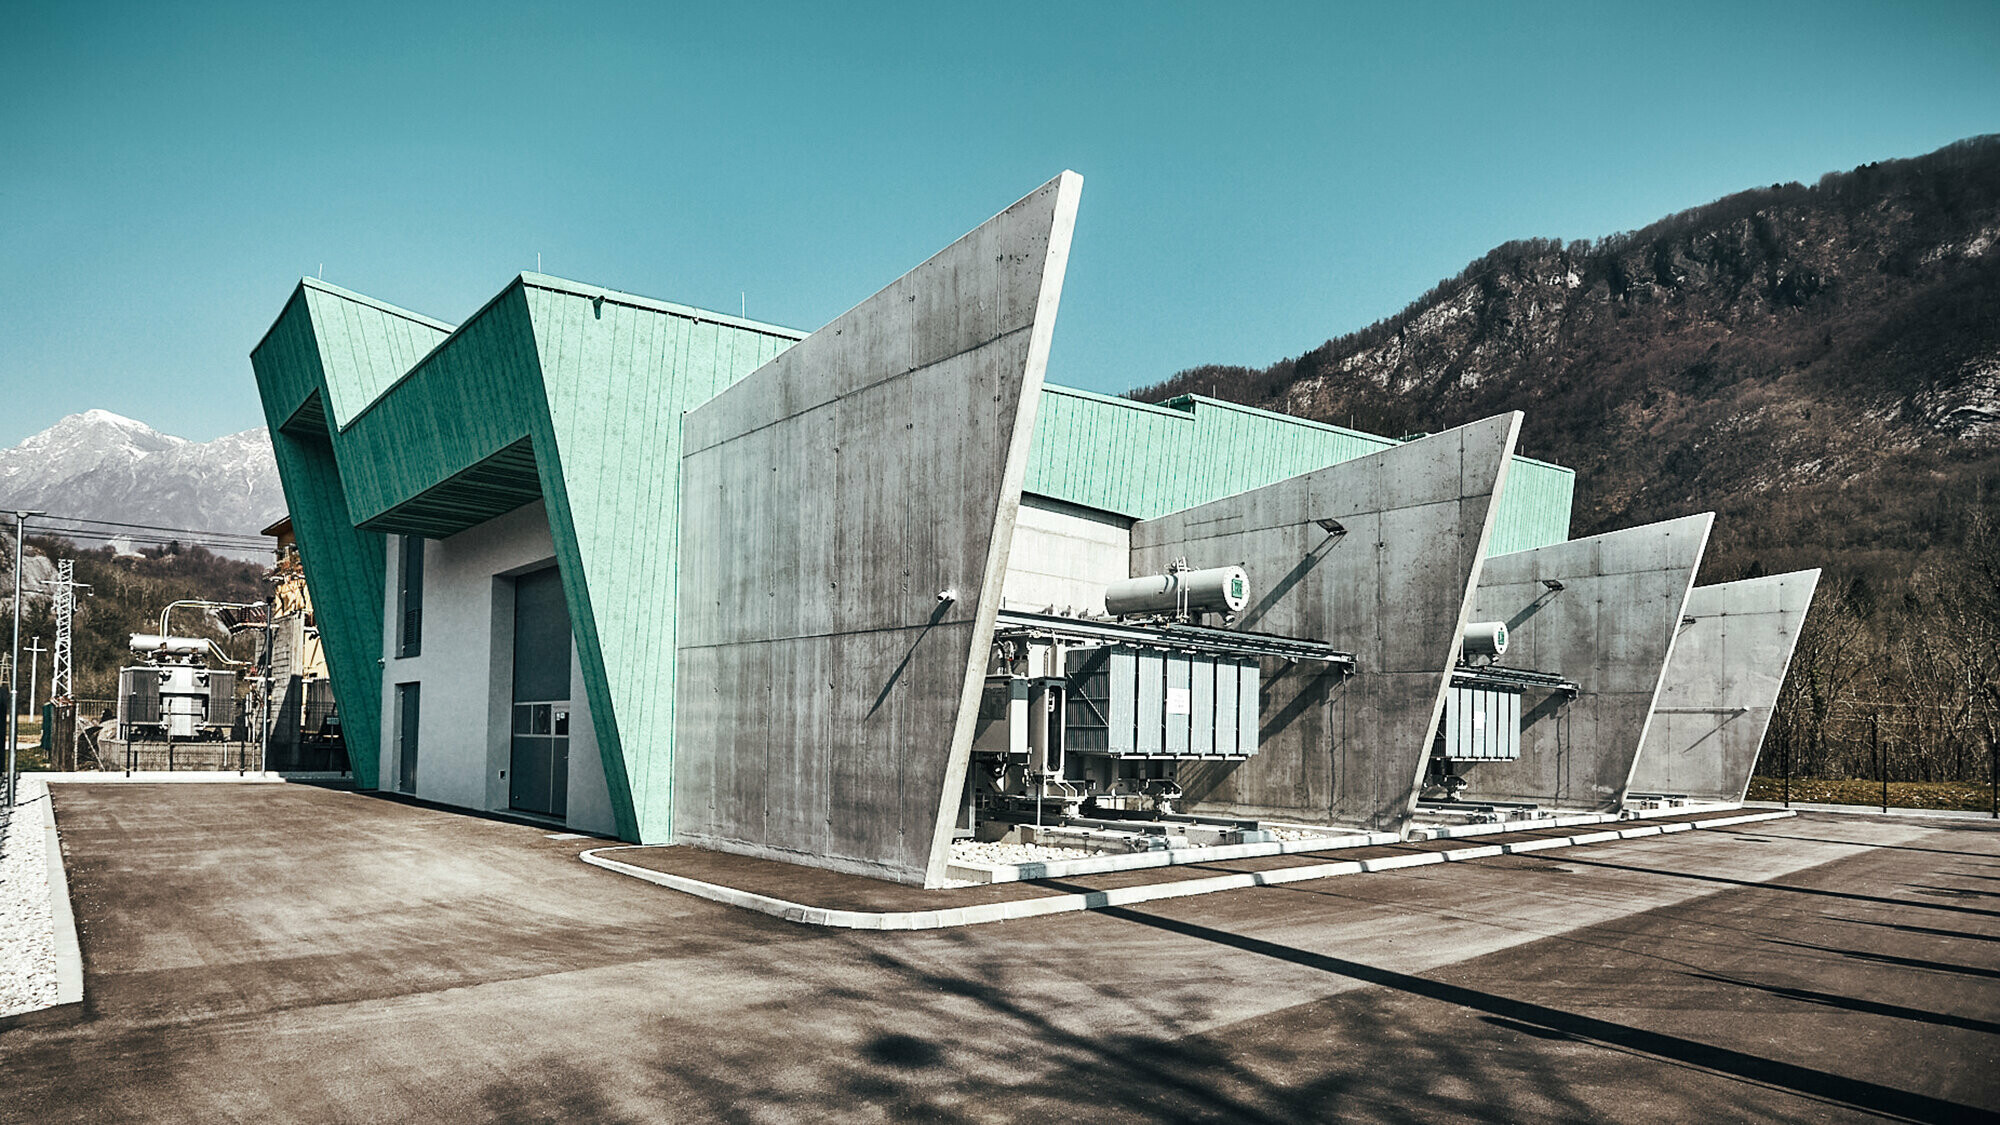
x,y
849,597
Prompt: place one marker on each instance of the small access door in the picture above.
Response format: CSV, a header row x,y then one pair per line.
x,y
408,698
538,775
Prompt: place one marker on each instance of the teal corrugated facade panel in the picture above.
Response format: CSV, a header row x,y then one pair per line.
x,y
1143,461
617,379
1534,508
295,367
377,345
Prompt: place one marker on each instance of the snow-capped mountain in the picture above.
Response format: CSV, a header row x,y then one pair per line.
x,y
103,466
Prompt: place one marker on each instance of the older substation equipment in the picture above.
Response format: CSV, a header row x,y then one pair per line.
x,y
1483,718
1084,721
185,691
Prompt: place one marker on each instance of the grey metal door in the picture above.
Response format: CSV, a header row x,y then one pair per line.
x,y
408,698
538,774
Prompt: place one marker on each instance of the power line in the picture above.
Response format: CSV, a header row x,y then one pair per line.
x,y
151,527
163,537
109,537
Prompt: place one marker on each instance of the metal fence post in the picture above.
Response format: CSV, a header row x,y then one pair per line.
x,y
1881,765
14,662
1788,769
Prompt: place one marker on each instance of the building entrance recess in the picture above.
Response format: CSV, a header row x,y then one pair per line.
x,y
538,770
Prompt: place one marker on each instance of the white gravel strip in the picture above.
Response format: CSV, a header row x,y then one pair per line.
x,y
970,850
27,922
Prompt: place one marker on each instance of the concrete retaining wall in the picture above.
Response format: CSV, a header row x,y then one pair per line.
x,y
826,694
1611,629
189,756
1393,589
1722,685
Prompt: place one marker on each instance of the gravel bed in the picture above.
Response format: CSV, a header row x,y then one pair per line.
x,y
976,852
27,928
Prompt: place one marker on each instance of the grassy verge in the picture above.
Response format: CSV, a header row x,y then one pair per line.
x,y
1902,794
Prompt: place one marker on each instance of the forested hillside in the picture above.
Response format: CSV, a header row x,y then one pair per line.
x,y
1818,364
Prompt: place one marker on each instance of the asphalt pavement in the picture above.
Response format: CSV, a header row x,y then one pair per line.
x,y
286,953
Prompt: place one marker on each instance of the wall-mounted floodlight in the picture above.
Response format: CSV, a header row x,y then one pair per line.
x,y
1331,527
1552,584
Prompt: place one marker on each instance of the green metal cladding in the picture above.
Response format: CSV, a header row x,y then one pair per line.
x,y
553,389
1144,461
385,421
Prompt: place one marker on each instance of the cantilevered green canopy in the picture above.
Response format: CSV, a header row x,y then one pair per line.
x,y
385,421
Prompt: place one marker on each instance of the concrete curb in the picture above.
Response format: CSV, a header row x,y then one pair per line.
x,y
1874,810
154,777
952,917
986,873
1571,820
69,954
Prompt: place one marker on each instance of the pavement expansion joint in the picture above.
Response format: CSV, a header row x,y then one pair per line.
x,y
1036,899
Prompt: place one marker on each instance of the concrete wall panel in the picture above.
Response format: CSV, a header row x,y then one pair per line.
x,y
1064,557
1393,589
1722,685
826,694
1611,629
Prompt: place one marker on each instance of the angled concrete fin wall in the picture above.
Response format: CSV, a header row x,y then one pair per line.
x,y
1722,685
826,694
1394,590
1610,628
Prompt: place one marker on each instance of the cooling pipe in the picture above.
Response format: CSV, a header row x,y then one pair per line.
x,y
1222,589
155,645
152,643
1485,638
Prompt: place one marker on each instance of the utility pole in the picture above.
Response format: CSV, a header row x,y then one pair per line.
x,y
35,652
14,661
270,670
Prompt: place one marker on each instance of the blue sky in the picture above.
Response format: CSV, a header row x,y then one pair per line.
x,y
1256,178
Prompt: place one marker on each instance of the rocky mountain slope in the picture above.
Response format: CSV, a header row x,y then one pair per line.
x,y
1820,364
102,466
